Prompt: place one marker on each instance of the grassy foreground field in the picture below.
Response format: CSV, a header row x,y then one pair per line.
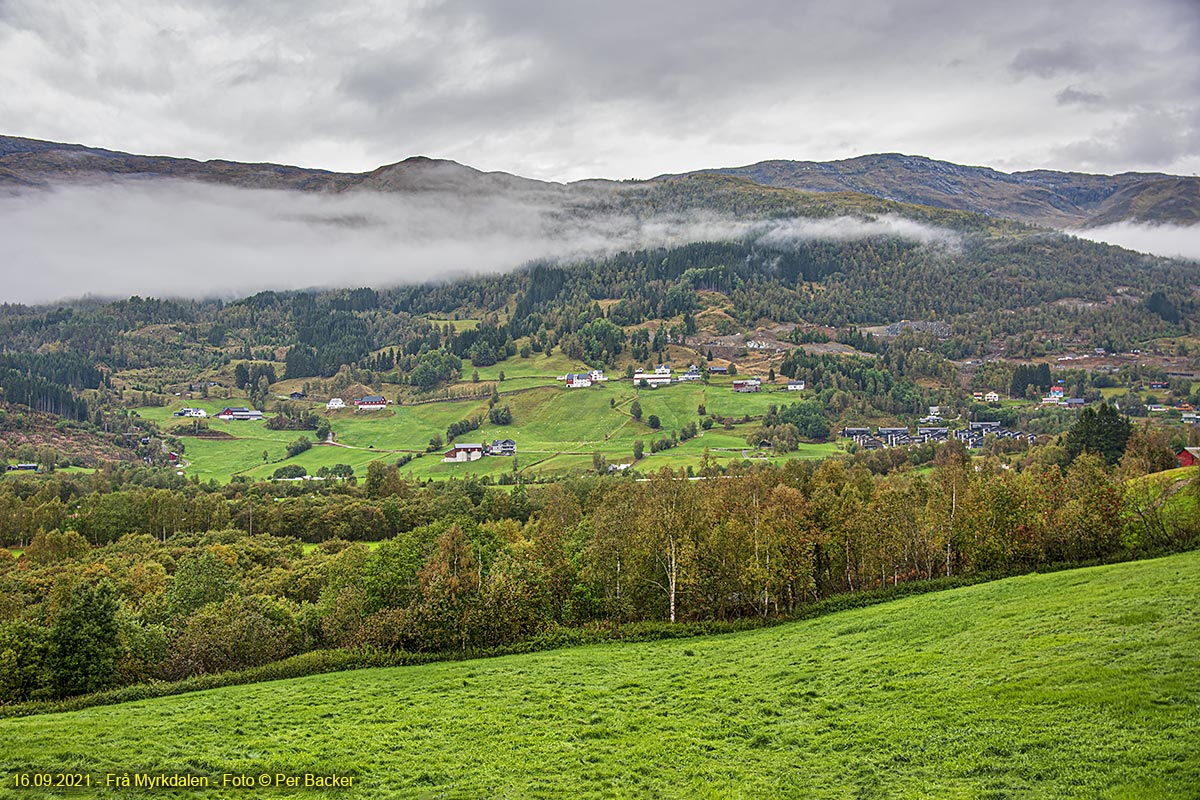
x,y
1076,684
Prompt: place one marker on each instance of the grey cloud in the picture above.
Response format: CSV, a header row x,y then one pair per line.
x,y
1171,241
1139,141
1046,62
196,240
1079,97
569,90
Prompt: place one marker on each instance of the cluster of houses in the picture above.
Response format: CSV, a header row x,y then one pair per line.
x,y
972,436
1057,397
755,385
582,380
1186,411
372,402
660,377
465,452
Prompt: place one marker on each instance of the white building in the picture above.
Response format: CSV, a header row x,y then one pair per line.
x,y
795,386
992,397
240,413
335,403
578,381
653,379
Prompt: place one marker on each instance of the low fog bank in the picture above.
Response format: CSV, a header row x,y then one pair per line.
x,y
1171,241
181,239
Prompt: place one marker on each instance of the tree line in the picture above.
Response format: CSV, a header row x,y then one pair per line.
x,y
141,583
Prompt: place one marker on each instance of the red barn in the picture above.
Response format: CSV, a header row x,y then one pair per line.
x,y
1189,456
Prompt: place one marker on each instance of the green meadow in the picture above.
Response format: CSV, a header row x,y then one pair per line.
x,y
1083,683
556,429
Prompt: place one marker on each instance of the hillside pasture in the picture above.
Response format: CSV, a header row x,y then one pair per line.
x,y
556,429
1073,684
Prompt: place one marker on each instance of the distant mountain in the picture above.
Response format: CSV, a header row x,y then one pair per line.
x,y
34,163
1040,197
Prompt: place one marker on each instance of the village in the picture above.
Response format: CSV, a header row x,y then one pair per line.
x,y
974,418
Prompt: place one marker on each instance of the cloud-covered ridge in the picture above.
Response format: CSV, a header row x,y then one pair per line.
x,y
173,238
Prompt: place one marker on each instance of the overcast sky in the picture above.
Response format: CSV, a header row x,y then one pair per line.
x,y
565,90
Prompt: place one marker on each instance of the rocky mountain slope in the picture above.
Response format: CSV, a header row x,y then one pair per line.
x,y
1040,197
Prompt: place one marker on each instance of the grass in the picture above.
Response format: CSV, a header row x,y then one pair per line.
x,y
1074,684
556,429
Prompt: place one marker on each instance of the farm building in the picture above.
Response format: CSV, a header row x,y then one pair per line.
x,y
747,385
372,402
578,381
652,379
1189,456
795,386
335,403
461,453
240,413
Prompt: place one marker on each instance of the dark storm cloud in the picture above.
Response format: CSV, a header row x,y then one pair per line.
x,y
571,89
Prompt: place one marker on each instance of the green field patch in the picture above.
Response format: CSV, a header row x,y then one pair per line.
x,y
1037,686
538,365
724,402
458,325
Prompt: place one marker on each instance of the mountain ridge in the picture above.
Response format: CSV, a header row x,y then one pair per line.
x,y
1049,198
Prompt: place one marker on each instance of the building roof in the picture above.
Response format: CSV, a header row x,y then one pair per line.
x,y
372,398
